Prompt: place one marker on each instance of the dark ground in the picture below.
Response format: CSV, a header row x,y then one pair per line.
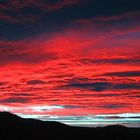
x,y
14,127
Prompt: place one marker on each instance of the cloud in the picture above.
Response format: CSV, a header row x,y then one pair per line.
x,y
24,51
59,53
97,95
124,74
35,82
132,60
83,42
29,11
127,86
43,108
125,119
98,86
71,106
102,86
49,5
17,94
3,83
14,100
111,26
113,106
114,18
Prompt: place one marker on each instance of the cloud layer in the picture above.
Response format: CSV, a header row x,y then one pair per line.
x,y
69,58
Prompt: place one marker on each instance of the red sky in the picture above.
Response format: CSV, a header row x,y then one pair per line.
x,y
92,66
97,73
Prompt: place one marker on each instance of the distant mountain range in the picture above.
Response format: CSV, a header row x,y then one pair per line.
x,y
14,127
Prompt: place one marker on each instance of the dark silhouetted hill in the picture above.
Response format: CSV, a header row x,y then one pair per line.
x,y
14,127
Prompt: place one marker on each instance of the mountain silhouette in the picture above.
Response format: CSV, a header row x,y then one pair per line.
x,y
15,127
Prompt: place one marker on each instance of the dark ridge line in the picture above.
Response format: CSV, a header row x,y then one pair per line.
x,y
15,127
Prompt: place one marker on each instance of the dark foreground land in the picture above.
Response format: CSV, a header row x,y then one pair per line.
x,y
14,127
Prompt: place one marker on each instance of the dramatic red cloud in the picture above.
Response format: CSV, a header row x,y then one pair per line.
x,y
75,72
70,43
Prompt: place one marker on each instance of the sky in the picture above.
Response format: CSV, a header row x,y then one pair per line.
x,y
73,61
